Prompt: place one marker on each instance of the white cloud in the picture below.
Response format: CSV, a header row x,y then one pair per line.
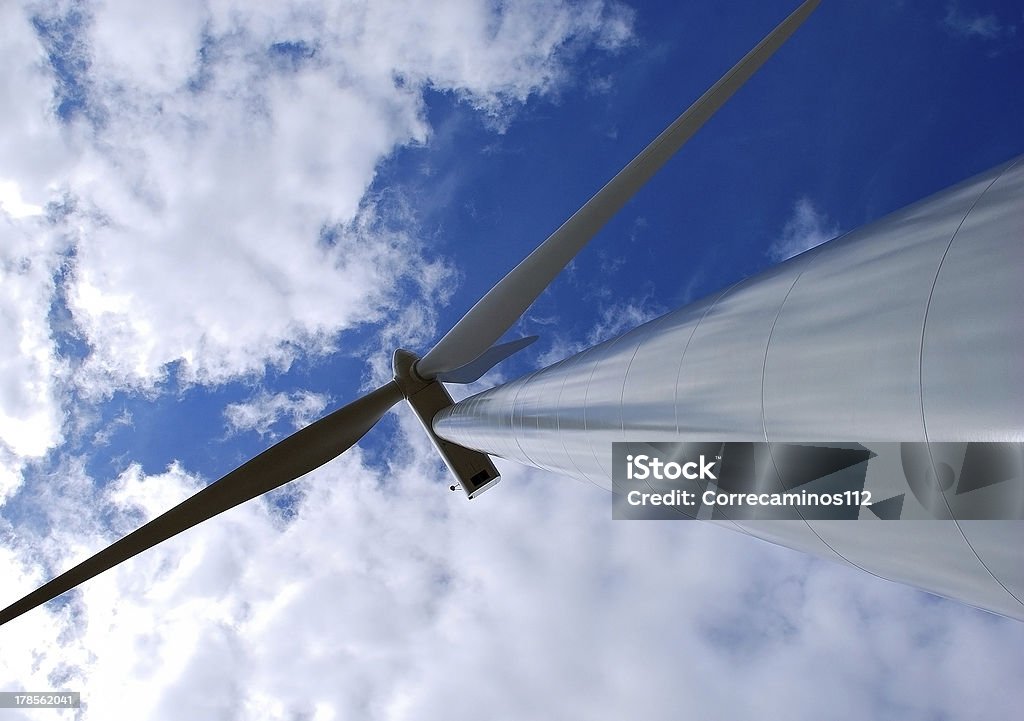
x,y
31,159
389,598
196,174
30,374
13,204
188,183
806,228
261,412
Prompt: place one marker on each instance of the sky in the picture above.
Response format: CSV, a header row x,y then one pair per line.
x,y
219,218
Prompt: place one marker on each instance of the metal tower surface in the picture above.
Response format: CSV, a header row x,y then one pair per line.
x,y
910,329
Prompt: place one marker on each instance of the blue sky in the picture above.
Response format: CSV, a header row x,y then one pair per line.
x,y
218,221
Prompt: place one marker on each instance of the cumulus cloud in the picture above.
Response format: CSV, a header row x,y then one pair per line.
x,y
186,186
12,204
31,158
202,170
29,369
385,598
806,228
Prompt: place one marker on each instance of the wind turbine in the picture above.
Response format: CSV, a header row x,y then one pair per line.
x,y
463,432
463,355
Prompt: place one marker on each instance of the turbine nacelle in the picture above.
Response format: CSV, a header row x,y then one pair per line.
x,y
474,470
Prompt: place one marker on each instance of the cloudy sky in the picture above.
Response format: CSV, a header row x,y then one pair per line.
x,y
217,219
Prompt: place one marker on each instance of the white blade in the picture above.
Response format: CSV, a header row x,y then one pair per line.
x,y
503,304
295,456
494,355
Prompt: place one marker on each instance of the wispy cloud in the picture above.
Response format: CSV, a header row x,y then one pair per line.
x,y
617,318
613,320
977,25
123,420
806,228
263,411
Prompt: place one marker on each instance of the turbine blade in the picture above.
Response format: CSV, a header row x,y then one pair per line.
x,y
503,304
293,457
484,362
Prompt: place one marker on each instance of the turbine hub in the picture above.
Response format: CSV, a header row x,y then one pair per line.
x,y
403,363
